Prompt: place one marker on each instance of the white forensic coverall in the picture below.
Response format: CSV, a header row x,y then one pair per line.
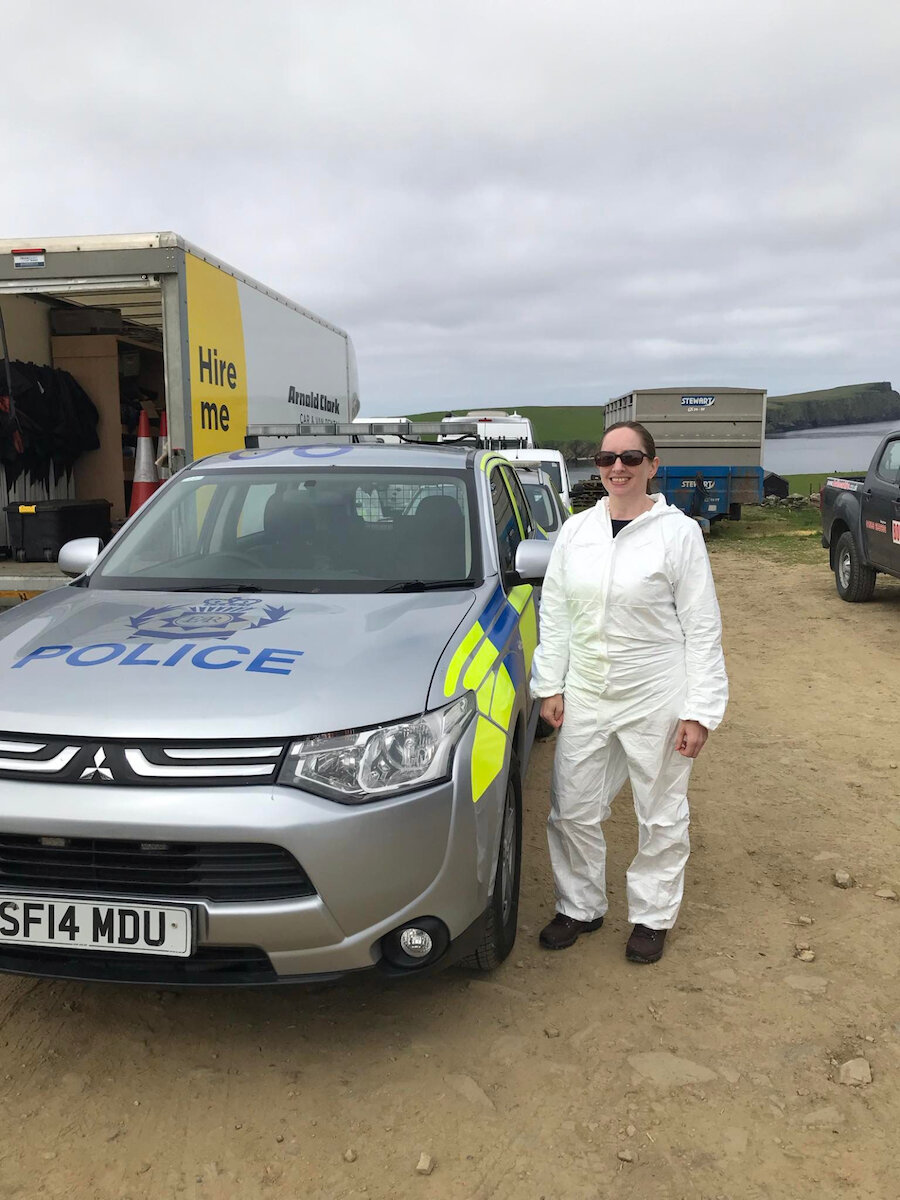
x,y
631,636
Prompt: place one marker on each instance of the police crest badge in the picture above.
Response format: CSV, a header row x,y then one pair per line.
x,y
217,617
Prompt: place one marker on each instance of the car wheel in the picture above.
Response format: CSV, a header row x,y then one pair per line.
x,y
499,934
854,580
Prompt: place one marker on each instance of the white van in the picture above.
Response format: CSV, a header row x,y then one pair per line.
x,y
497,429
549,461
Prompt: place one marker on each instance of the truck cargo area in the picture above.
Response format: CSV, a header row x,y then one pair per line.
x,y
108,335
106,330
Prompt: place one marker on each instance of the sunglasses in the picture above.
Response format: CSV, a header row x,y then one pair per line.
x,y
630,458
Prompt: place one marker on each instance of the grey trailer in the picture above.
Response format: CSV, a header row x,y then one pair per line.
x,y
698,426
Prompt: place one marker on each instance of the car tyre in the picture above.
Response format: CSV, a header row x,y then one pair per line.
x,y
499,934
855,581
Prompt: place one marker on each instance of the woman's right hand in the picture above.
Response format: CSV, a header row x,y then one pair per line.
x,y
552,709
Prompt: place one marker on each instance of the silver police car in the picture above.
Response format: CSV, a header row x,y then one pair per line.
x,y
276,729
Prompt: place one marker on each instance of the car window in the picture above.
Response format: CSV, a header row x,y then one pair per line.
x,y
412,495
507,527
542,505
889,463
552,468
512,480
250,519
368,503
176,532
340,530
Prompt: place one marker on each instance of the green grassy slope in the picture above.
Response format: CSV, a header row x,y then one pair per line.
x,y
552,424
805,485
854,404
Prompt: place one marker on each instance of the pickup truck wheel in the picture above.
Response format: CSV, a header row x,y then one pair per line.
x,y
855,580
503,911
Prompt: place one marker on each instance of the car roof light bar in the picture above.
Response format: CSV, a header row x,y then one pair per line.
x,y
405,430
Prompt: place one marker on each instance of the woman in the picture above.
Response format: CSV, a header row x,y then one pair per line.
x,y
630,670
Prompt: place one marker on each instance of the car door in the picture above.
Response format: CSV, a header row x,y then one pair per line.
x,y
881,509
513,523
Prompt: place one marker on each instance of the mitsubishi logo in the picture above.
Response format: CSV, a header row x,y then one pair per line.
x,y
98,770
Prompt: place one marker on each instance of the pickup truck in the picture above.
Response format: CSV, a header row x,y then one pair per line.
x,y
861,523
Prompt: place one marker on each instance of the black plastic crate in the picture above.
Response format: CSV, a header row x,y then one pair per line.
x,y
38,529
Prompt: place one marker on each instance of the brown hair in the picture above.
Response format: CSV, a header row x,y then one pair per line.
x,y
641,430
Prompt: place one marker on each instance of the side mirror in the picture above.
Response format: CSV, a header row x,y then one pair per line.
x,y
76,556
532,559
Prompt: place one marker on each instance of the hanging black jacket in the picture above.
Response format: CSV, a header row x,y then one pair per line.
x,y
55,423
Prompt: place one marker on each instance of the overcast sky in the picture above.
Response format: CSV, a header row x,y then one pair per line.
x,y
503,202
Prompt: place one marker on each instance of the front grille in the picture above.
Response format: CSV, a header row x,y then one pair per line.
x,y
224,871
138,764
209,966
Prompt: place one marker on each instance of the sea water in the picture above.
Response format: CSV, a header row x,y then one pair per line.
x,y
832,448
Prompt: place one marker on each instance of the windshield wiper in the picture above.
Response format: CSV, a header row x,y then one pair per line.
x,y
427,585
221,587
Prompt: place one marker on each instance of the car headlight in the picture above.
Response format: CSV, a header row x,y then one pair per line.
x,y
357,767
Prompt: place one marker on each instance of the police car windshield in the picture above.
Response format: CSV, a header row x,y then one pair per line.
x,y
326,530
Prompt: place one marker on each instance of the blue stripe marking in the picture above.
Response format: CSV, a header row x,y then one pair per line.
x,y
514,665
493,607
499,634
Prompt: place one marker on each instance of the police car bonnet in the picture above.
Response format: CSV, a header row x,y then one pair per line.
x,y
226,666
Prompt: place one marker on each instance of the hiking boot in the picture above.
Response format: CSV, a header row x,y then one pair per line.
x,y
564,931
645,945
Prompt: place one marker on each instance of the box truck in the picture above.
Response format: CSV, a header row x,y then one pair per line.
x,y
150,322
710,443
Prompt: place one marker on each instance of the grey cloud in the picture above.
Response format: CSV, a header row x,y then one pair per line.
x,y
514,202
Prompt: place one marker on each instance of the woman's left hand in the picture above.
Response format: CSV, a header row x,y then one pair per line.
x,y
690,738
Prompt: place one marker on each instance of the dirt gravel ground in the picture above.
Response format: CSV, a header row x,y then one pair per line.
x,y
571,1075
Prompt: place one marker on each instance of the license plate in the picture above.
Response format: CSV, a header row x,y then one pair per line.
x,y
88,925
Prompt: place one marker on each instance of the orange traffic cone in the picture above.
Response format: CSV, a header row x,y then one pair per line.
x,y
162,448
146,480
